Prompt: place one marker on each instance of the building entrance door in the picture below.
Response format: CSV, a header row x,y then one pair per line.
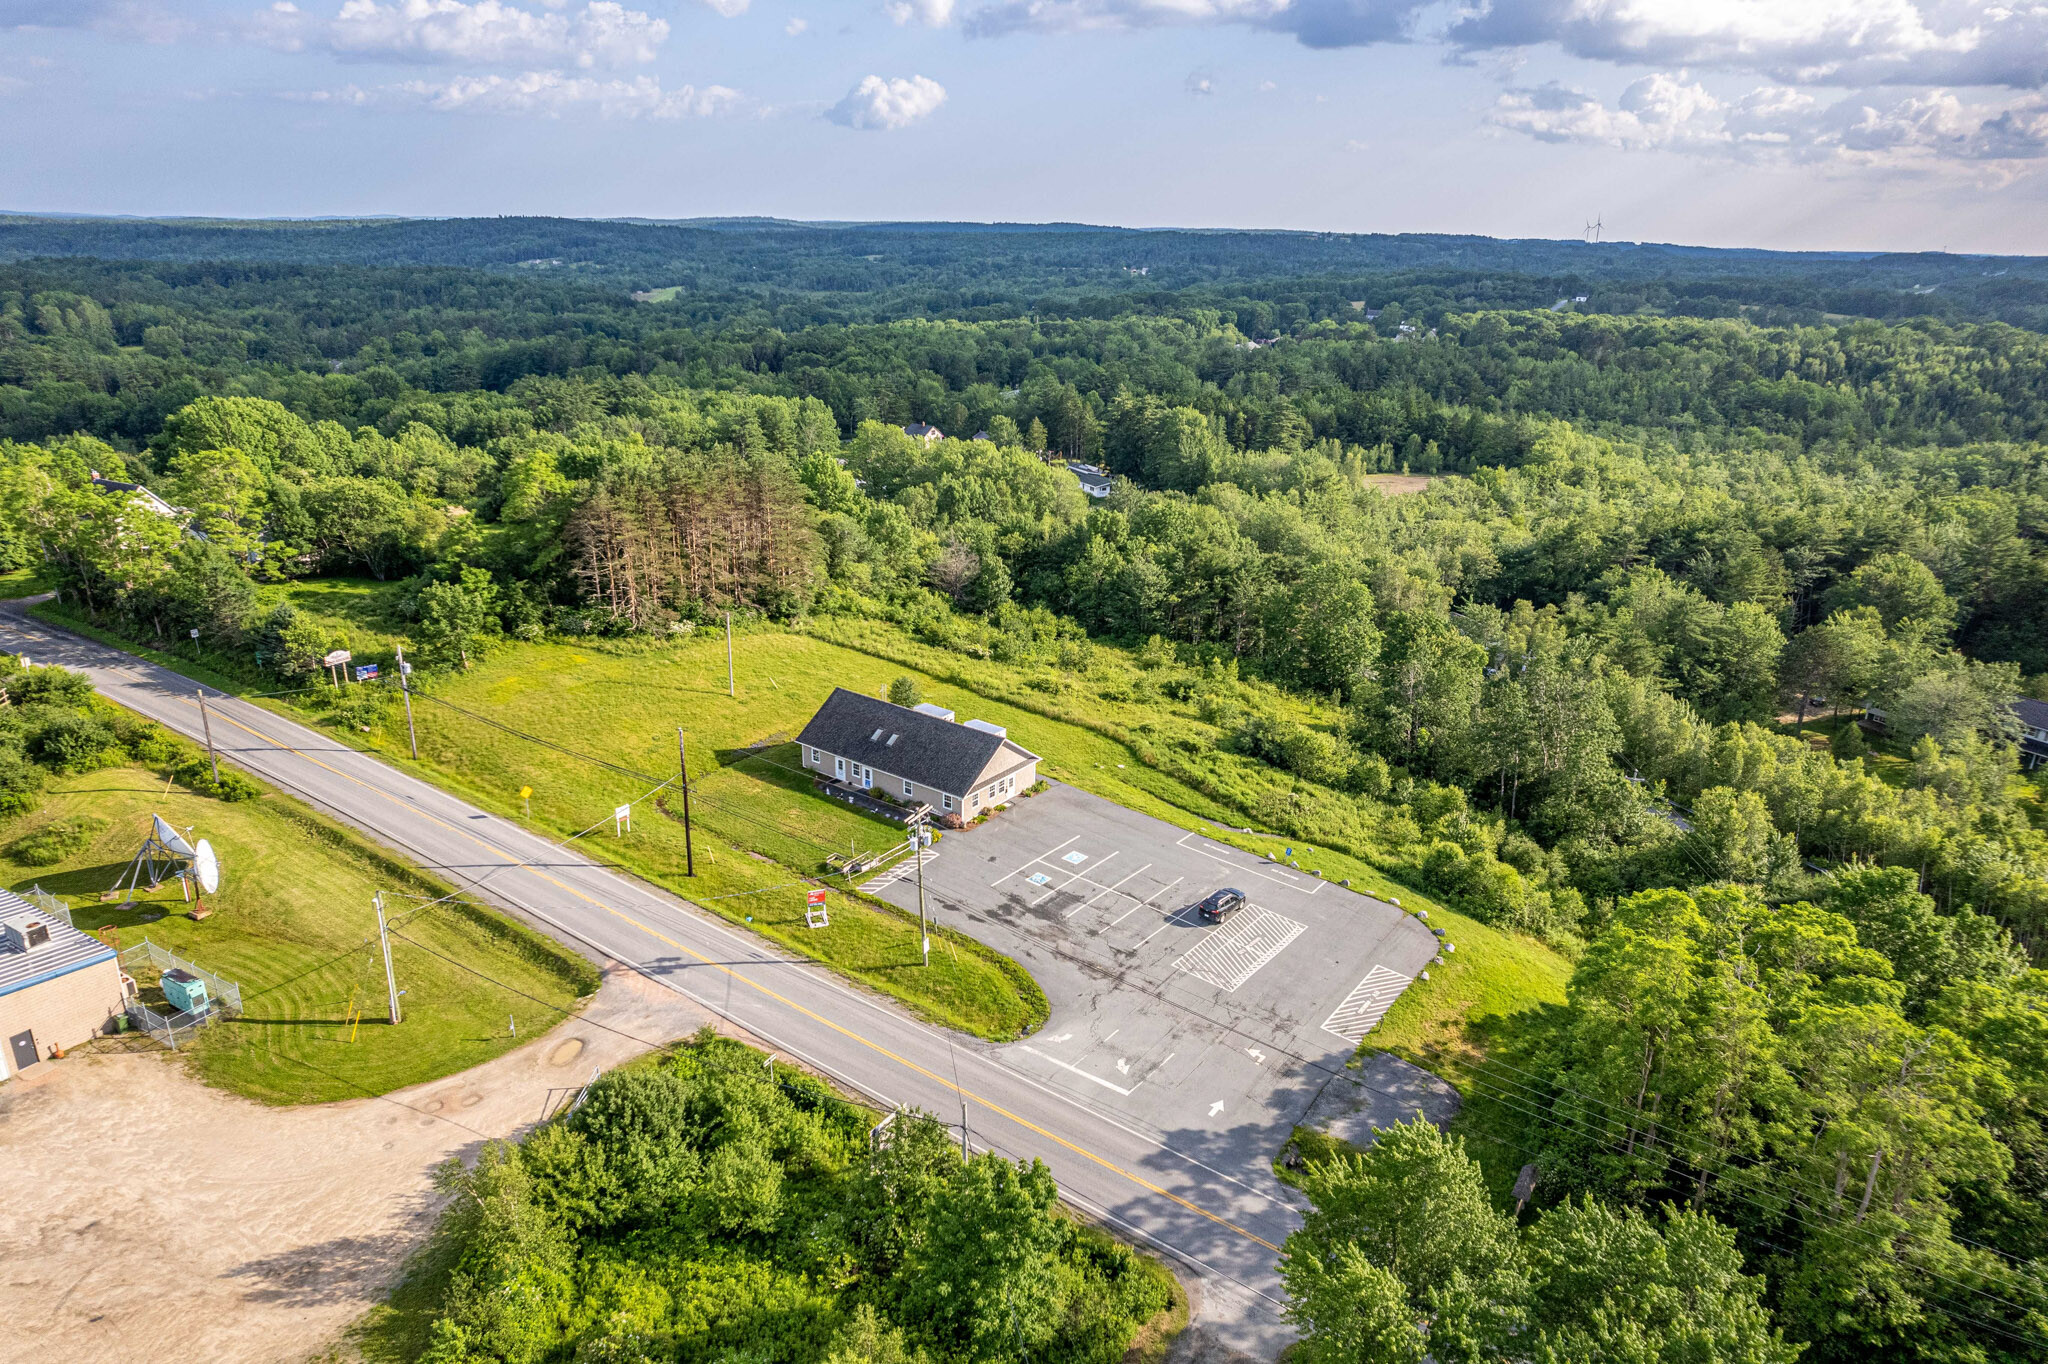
x,y
23,1046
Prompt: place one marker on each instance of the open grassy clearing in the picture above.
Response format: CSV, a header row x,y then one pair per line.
x,y
622,701
293,925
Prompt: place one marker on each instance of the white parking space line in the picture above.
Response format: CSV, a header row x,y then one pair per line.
x,y
1032,863
1366,1005
1100,893
1076,1070
902,871
1145,903
1164,924
1283,878
1233,954
1077,876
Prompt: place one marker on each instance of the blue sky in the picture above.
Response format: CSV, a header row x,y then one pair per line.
x,y
1892,124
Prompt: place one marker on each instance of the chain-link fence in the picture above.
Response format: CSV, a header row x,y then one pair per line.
x,y
49,904
166,1025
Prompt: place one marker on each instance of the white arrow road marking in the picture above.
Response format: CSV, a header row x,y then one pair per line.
x,y
1123,1067
1257,1055
1063,1037
1215,1108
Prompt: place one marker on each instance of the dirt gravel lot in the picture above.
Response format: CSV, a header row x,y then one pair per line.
x,y
147,1214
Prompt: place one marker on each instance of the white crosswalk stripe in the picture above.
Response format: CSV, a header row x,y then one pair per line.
x,y
902,871
1230,955
1366,1005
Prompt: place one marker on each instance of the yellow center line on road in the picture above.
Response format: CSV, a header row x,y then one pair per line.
x,y
843,1031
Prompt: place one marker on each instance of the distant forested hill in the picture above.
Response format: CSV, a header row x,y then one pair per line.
x,y
874,270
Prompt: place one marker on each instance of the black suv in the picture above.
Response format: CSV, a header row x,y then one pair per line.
x,y
1220,906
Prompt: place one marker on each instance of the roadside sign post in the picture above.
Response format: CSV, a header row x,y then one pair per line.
x,y
206,721
622,820
683,767
390,979
815,913
526,800
412,738
924,935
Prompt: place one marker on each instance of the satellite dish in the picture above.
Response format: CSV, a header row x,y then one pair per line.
x,y
171,838
206,867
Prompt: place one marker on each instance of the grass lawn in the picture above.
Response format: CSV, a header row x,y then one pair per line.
x,y
293,926
24,582
622,701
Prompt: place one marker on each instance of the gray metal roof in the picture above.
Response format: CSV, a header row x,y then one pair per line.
x,y
2031,712
925,749
68,949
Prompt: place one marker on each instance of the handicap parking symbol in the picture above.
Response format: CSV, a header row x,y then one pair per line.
x,y
1077,858
1038,878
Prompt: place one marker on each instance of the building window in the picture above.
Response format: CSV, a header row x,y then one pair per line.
x,y
815,758
946,802
906,786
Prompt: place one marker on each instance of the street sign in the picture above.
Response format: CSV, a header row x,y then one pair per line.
x,y
193,633
816,897
365,671
526,793
337,658
622,820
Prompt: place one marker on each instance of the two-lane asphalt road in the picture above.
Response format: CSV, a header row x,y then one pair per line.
x,y
1227,1221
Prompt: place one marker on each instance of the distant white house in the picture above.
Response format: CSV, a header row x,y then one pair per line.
x,y
924,431
142,494
1094,482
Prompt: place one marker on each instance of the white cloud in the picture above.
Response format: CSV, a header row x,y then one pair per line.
x,y
795,27
547,94
1201,82
932,13
150,21
885,105
1801,42
479,32
1776,122
730,9
1317,23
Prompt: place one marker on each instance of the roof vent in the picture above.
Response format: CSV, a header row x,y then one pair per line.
x,y
986,728
928,708
27,935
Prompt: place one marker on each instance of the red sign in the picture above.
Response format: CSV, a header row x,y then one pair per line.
x,y
815,898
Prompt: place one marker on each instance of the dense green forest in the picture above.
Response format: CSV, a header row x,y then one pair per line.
x,y
1598,683
710,1208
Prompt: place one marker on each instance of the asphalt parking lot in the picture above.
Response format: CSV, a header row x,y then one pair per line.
x,y
1180,1026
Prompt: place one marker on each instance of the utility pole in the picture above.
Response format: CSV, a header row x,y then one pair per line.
x,y
728,655
207,721
963,1128
683,765
390,980
405,686
924,936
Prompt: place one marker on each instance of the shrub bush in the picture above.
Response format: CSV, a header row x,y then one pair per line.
x,y
56,841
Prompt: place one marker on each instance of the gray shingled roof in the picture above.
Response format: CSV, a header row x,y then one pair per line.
x,y
2031,713
927,750
68,949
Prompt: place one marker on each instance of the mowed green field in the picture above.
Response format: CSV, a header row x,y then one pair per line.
x,y
626,706
762,835
293,925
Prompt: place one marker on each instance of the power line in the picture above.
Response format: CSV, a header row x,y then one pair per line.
x,y
1541,1081
1507,1093
1938,1302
